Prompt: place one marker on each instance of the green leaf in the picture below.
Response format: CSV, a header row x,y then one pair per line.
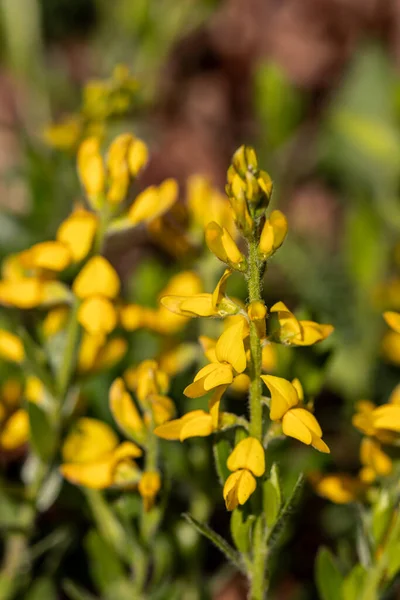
x,y
393,566
41,588
241,526
271,502
327,576
222,449
105,566
76,592
381,517
217,540
285,512
42,432
353,584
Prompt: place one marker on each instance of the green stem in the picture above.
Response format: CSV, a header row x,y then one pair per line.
x,y
254,285
68,360
257,575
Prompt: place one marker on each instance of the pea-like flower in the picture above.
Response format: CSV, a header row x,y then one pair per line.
x,y
247,461
298,333
297,421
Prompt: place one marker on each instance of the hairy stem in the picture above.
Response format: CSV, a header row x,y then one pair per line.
x,y
257,575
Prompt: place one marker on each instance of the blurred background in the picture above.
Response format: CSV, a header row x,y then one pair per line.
x,y
314,85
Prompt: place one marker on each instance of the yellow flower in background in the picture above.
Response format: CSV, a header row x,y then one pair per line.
x,y
374,460
91,170
153,202
298,333
273,234
11,347
55,321
390,346
339,488
393,320
97,278
92,457
15,431
97,315
387,417
124,411
230,361
14,421
25,293
64,135
126,157
221,243
149,486
51,256
207,204
97,353
77,232
178,358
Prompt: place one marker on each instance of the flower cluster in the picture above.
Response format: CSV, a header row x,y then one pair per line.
x,y
238,352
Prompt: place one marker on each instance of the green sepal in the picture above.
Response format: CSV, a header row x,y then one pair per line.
x,y
241,527
328,578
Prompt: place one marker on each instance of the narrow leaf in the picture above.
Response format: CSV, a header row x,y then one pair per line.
x,y
42,433
285,512
327,576
217,540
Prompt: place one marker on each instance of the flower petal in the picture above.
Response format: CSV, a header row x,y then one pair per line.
x,y
230,347
248,454
283,395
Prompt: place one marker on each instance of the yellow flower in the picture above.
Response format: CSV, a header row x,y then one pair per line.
x,y
268,358
230,361
283,395
15,431
297,422
97,278
273,234
125,412
177,359
51,256
34,389
149,486
223,246
11,347
206,204
393,320
203,305
97,315
55,320
126,157
391,347
238,488
153,202
196,423
374,460
339,488
298,333
302,425
387,417
257,312
96,353
25,293
91,170
248,454
64,135
77,232
93,458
